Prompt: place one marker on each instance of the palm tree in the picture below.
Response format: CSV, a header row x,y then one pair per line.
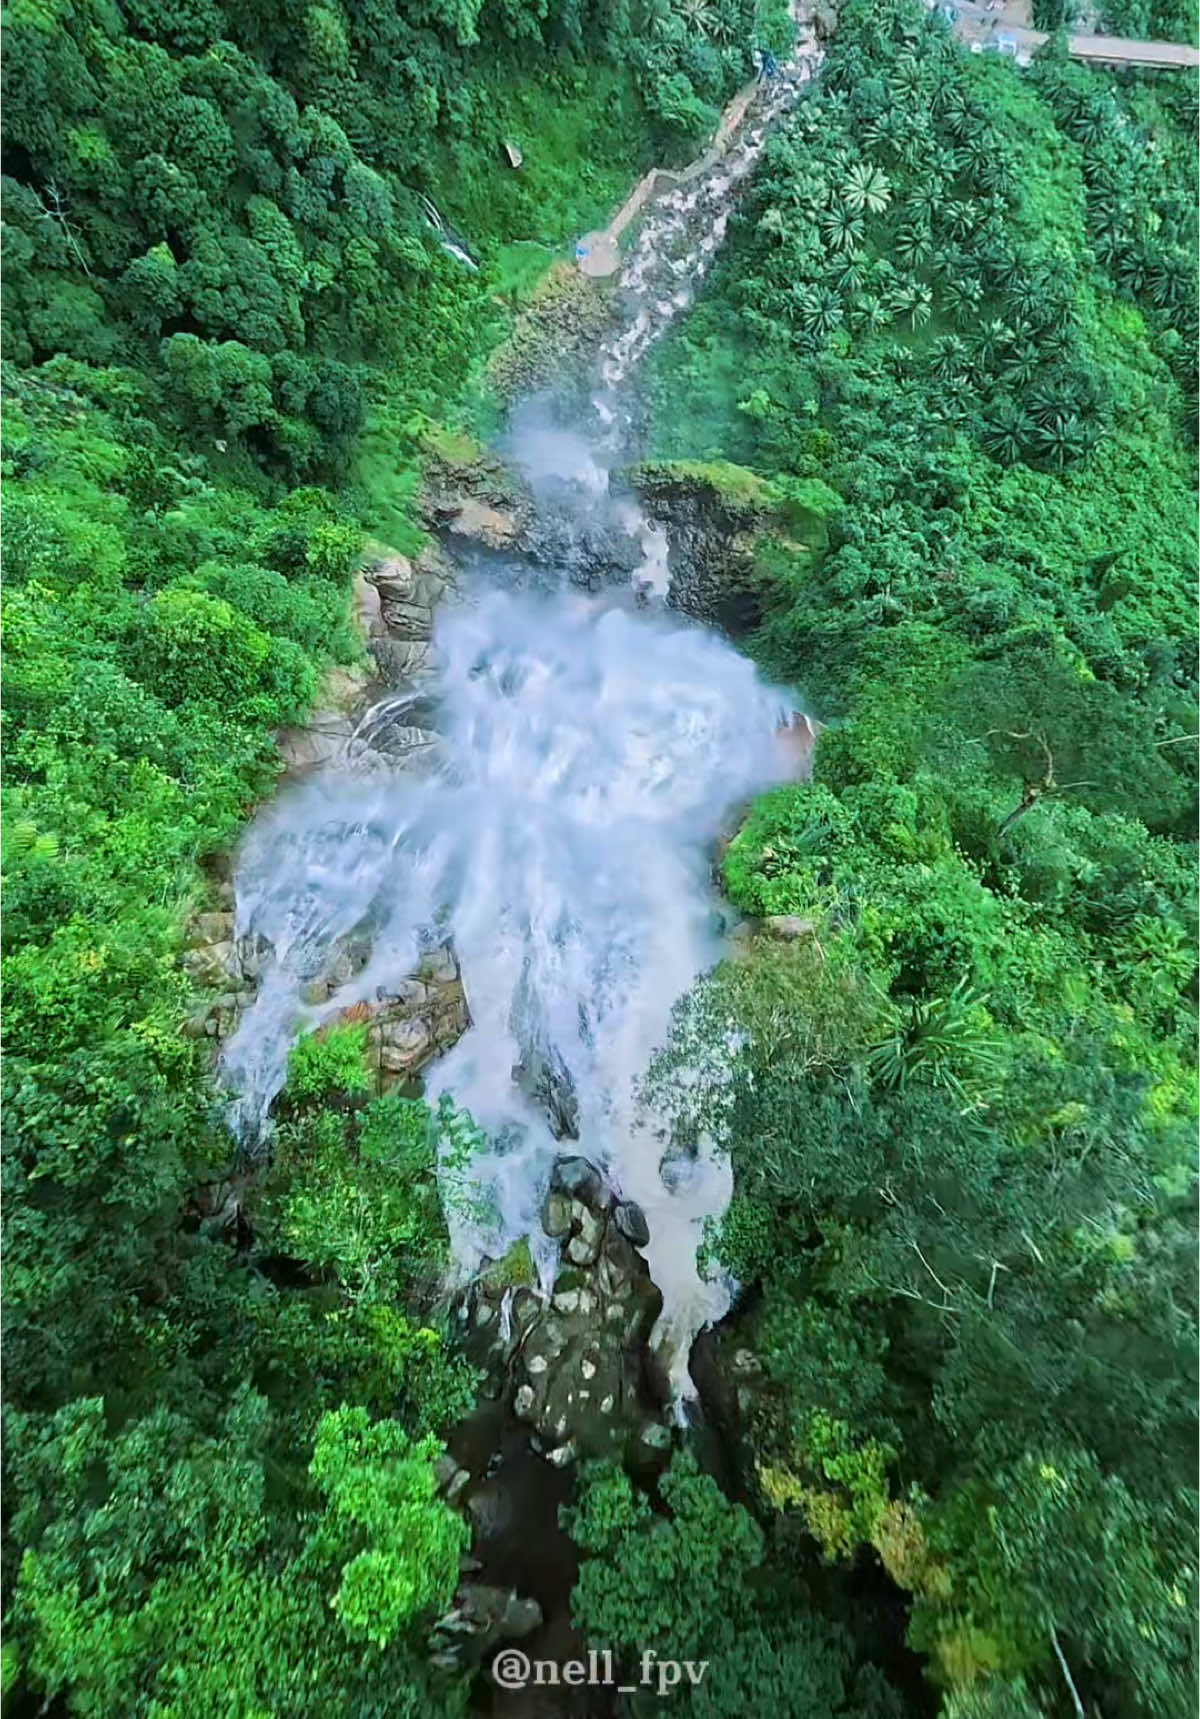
x,y
1046,402
1056,341
1090,123
913,146
1003,268
848,274
925,199
1006,432
950,357
658,18
1022,364
912,246
1060,441
842,230
995,174
914,300
879,135
1166,280
820,310
698,15
866,189
904,85
809,191
726,25
978,145
990,340
950,101
959,216
963,296
870,313
1027,293
1133,269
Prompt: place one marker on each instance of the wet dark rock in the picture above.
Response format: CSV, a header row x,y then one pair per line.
x,y
452,1479
579,1179
587,1235
545,1079
595,553
556,1213
631,1221
481,1617
561,323
677,1166
713,515
472,495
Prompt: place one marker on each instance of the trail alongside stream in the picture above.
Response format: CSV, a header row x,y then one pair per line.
x,y
682,232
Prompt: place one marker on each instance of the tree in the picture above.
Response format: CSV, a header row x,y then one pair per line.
x,y
382,1490
159,1574
865,189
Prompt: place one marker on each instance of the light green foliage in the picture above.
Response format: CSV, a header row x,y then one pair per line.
x,y
381,1488
326,1064
163,1578
946,373
216,265
354,1194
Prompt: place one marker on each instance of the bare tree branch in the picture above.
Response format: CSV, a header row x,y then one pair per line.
x,y
1066,1671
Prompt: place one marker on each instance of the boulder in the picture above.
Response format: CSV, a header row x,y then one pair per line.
x,y
543,1076
213,964
404,1045
477,522
481,1617
556,1213
587,1235
631,1221
788,926
212,928
579,1179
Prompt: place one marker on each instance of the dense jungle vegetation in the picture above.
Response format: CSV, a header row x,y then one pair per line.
x,y
954,335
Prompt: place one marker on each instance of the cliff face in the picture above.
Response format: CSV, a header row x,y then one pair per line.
x,y
717,517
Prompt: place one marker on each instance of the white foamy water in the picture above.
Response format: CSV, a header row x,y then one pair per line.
x,y
557,835
682,232
563,846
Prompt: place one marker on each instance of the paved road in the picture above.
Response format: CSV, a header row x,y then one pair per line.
x,y
979,26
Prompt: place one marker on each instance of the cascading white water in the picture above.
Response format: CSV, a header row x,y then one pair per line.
x,y
682,232
558,837
562,845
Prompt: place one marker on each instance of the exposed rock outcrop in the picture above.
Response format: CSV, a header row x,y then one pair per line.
x,y
716,516
408,594
576,1362
409,1022
481,1617
472,496
564,320
712,515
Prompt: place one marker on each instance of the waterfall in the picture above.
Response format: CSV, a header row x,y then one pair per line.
x,y
559,837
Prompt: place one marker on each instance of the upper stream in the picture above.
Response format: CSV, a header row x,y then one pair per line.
x,y
559,837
